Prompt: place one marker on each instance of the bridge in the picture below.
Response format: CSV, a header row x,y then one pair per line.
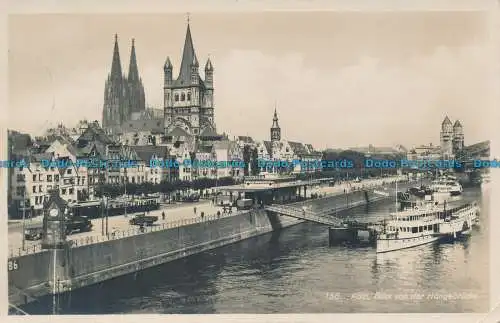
x,y
305,214
324,216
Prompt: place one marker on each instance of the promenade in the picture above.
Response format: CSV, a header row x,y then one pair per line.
x,y
176,215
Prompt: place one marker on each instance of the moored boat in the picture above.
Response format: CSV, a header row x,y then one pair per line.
x,y
446,184
425,224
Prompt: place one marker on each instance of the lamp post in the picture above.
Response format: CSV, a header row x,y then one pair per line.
x,y
125,186
106,207
24,217
102,214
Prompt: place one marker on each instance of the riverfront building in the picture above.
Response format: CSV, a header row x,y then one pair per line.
x,y
452,138
451,142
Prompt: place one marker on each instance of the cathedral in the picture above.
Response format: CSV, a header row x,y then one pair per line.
x,y
123,95
452,138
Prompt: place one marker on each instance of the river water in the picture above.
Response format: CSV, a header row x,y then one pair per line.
x,y
296,271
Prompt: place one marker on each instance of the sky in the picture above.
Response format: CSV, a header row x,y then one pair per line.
x,y
337,79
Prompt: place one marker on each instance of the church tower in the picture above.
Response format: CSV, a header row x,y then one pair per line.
x,y
276,144
135,88
115,109
446,138
275,128
188,100
458,137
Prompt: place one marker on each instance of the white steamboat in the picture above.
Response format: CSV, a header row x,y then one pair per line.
x,y
424,224
447,184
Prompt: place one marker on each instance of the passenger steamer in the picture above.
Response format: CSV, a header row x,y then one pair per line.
x,y
447,184
421,225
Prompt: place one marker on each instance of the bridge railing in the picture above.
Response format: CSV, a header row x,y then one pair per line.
x,y
304,214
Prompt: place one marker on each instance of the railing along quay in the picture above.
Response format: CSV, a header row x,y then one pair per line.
x,y
120,234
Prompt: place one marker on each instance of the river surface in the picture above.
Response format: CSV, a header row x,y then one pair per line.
x,y
296,271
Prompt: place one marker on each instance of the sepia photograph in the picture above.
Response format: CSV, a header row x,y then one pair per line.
x,y
265,162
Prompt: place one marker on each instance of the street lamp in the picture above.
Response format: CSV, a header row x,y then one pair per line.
x,y
24,217
106,200
125,187
102,214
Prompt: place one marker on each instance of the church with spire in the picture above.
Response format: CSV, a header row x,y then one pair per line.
x,y
189,99
123,94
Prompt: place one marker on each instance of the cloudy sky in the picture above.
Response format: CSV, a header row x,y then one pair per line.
x,y
339,79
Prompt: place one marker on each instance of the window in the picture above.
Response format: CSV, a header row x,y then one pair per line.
x,y
34,189
20,177
69,171
56,178
40,189
189,97
71,190
176,97
63,191
34,178
420,229
49,178
183,97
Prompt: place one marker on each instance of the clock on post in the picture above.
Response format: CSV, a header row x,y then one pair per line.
x,y
54,225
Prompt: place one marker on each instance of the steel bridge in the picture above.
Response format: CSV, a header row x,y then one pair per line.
x,y
324,216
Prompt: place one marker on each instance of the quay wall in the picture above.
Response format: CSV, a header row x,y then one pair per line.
x,y
79,266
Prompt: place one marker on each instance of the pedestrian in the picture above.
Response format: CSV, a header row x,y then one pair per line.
x,y
194,210
163,215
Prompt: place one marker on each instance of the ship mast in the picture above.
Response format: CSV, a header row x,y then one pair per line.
x,y
396,194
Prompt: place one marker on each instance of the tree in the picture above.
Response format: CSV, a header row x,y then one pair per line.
x,y
255,162
247,155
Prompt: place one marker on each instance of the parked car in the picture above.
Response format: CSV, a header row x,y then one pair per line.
x,y
143,219
33,233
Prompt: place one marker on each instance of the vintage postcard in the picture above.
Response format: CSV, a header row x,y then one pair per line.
x,y
250,162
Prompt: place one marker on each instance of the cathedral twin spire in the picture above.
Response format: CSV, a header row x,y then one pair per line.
x,y
123,94
116,68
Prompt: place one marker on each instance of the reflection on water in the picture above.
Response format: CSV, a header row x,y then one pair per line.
x,y
295,271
